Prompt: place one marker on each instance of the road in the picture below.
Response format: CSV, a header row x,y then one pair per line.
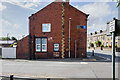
x,y
58,68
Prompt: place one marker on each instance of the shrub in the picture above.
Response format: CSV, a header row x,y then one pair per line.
x,y
91,44
101,45
98,43
106,46
115,45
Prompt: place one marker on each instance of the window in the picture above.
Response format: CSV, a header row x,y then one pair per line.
x,y
41,44
98,38
46,27
103,37
56,47
38,46
44,44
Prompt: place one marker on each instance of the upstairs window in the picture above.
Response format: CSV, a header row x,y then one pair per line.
x,y
46,27
56,47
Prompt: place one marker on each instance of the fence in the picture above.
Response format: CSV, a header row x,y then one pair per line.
x,y
8,52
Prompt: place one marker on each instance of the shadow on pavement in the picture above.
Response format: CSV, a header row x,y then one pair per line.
x,y
107,58
61,79
98,57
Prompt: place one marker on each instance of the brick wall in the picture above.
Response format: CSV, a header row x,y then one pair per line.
x,y
22,48
80,35
50,14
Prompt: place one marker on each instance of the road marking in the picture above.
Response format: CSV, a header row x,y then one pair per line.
x,y
72,62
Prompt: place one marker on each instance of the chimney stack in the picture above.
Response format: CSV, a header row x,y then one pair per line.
x,y
67,1
58,1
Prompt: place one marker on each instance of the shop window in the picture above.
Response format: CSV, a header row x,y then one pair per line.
x,y
56,47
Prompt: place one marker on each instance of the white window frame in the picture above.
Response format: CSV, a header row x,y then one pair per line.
x,y
56,46
44,50
38,50
45,25
41,45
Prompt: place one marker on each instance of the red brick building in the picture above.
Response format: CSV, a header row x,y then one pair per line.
x,y
49,33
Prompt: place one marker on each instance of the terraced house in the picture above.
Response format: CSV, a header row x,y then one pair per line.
x,y
52,30
102,36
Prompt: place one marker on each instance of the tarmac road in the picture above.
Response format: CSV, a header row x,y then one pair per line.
x,y
91,67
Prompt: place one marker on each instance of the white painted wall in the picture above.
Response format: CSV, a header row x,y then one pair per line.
x,y
8,52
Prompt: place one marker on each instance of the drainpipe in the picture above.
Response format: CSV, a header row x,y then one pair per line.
x,y
29,47
63,38
33,55
69,35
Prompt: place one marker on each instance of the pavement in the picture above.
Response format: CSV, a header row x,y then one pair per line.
x,y
90,68
107,55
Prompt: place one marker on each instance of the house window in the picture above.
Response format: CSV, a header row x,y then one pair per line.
x,y
38,44
56,47
44,44
103,37
41,44
46,27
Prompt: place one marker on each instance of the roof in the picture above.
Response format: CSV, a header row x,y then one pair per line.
x,y
7,42
98,34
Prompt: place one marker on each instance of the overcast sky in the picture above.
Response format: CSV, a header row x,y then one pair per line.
x,y
14,15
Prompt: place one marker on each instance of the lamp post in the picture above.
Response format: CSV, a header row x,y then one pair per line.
x,y
69,35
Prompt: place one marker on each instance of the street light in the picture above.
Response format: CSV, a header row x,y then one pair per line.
x,y
69,35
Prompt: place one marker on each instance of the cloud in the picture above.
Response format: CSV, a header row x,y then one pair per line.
x,y
98,12
8,25
2,7
16,25
28,4
5,23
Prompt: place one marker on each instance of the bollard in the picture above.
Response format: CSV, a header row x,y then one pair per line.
x,y
11,77
48,78
92,52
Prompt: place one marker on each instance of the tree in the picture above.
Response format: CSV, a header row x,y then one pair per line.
x,y
118,3
5,38
13,38
8,38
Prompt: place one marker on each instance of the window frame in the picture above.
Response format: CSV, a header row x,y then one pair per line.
x,y
38,50
41,44
58,47
48,26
